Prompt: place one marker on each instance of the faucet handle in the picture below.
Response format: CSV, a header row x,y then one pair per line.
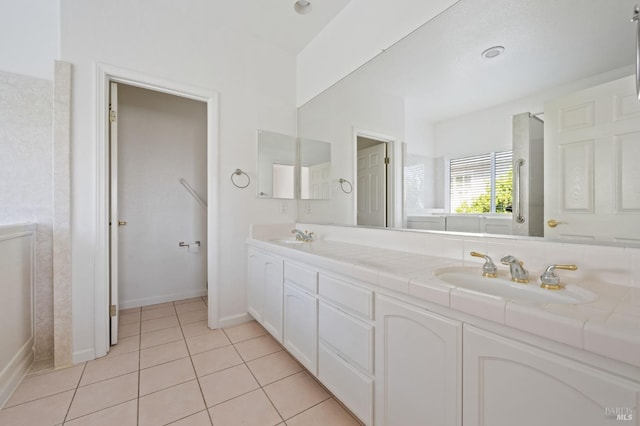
x,y
518,273
489,269
550,280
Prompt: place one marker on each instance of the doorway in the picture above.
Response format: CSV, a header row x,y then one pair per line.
x,y
104,311
158,208
374,181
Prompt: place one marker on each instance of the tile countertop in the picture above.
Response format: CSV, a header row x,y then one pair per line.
x,y
608,326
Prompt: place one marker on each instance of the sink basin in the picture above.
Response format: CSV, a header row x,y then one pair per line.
x,y
288,241
502,286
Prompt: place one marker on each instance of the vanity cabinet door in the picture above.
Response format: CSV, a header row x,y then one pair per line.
x,y
301,326
417,366
272,301
264,291
510,383
255,284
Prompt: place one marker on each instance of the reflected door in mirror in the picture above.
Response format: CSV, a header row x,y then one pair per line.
x,y
372,178
592,178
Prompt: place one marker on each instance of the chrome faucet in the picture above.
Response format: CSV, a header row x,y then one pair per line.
x,y
489,269
305,236
518,273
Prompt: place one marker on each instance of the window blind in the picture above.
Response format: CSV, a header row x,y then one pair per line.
x,y
473,182
503,181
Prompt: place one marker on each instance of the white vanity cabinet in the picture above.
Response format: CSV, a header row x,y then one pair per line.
x,y
417,367
265,290
301,315
403,364
345,348
511,383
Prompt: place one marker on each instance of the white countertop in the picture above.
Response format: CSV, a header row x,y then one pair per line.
x,y
608,326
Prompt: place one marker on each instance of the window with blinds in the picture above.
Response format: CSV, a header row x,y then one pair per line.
x,y
481,183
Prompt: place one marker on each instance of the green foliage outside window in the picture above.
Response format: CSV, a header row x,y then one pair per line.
x,y
482,203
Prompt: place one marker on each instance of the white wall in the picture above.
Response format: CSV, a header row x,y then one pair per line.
x,y
161,139
333,117
419,134
189,44
29,37
362,30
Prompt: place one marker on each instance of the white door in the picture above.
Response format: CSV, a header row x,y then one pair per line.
x,y
372,186
591,152
509,383
417,366
114,221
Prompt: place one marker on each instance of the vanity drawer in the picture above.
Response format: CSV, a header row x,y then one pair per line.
x,y
356,299
353,388
301,276
350,336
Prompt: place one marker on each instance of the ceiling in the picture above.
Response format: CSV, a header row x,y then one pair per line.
x,y
276,22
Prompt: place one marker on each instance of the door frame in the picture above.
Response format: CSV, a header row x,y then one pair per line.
x,y
105,74
394,176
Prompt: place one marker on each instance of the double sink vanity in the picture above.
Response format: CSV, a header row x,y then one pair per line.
x,y
405,330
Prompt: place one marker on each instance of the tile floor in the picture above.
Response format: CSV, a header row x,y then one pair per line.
x,y
169,368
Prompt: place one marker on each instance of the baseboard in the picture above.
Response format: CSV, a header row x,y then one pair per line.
x,y
85,355
14,372
232,320
153,300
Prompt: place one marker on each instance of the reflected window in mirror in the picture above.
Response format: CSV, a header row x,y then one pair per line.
x,y
481,183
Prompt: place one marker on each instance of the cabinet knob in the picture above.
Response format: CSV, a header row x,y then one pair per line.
x,y
122,223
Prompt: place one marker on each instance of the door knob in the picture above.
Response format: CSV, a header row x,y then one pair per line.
x,y
122,223
553,223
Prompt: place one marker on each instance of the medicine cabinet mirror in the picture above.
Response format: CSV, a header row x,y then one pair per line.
x,y
276,165
288,166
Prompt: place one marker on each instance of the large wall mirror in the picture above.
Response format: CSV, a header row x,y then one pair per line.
x,y
509,117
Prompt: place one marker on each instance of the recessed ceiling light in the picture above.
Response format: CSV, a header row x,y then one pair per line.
x,y
492,52
302,7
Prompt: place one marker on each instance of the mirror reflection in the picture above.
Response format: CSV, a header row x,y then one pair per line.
x,y
315,170
279,174
516,117
276,165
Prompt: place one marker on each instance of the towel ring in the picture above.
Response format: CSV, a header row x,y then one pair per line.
x,y
342,182
239,172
